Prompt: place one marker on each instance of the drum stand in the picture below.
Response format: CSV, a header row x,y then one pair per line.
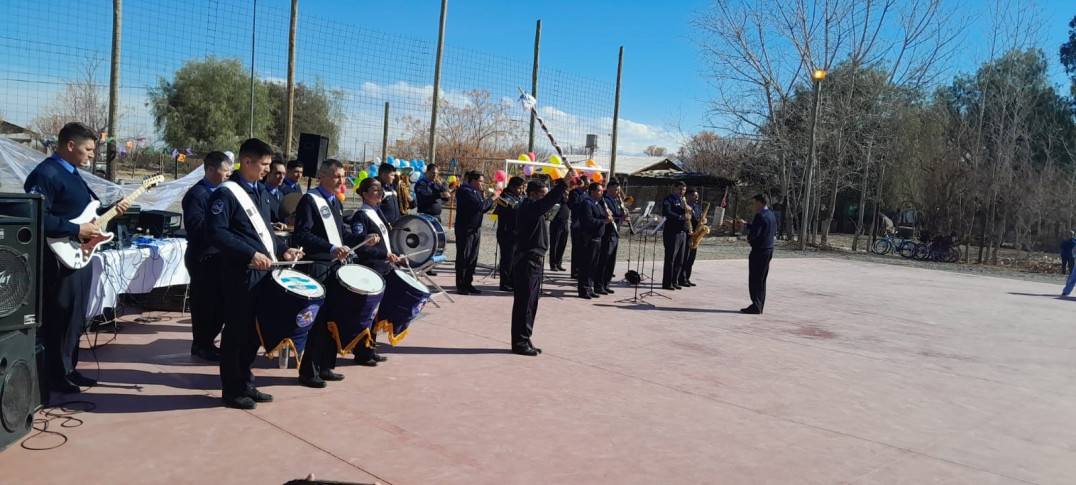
x,y
421,275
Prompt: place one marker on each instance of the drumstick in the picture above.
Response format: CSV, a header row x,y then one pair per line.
x,y
282,263
369,237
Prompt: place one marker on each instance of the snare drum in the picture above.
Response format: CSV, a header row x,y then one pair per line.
x,y
420,237
287,310
354,295
404,298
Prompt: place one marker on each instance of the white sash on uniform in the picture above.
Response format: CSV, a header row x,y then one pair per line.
x,y
372,214
255,217
332,233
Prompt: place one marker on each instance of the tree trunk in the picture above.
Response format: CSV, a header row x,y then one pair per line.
x,y
862,201
830,212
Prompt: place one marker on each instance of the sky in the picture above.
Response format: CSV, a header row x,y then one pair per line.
x,y
664,89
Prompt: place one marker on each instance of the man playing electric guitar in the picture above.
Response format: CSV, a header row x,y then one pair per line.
x,y
66,290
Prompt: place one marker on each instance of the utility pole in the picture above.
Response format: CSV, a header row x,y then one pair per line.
x,y
253,38
534,79
113,91
437,83
812,158
616,113
289,113
385,135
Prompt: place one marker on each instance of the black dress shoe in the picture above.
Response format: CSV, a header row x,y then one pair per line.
x,y
80,380
584,294
259,396
536,349
380,358
553,268
751,310
678,287
366,361
463,292
211,353
241,402
600,291
664,287
507,288
529,351
561,268
474,291
64,386
608,290
594,295
315,382
431,273
328,375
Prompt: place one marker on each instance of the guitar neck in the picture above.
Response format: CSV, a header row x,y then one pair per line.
x,y
103,219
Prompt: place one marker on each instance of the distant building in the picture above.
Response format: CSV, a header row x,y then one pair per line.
x,y
20,135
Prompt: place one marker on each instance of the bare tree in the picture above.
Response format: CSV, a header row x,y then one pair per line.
x,y
475,127
84,99
656,151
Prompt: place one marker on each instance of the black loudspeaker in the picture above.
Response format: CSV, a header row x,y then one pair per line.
x,y
312,151
21,243
160,223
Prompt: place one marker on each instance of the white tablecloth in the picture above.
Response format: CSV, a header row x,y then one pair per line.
x,y
136,270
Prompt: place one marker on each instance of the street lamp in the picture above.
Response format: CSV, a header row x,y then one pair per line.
x,y
812,158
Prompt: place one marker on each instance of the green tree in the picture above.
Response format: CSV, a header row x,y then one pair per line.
x,y
1068,55
207,105
316,110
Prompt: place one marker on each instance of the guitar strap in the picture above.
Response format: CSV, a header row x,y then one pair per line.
x,y
332,233
255,217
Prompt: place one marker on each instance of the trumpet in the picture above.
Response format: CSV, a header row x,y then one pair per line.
x,y
503,202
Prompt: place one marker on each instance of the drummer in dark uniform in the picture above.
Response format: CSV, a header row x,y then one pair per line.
x,y
237,223
321,232
203,260
506,228
603,271
558,235
575,197
378,257
390,202
533,244
470,205
274,184
291,179
591,218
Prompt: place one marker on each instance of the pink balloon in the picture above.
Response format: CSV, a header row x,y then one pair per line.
x,y
500,176
528,170
531,156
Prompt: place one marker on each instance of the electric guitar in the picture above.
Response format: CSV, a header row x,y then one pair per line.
x,y
75,253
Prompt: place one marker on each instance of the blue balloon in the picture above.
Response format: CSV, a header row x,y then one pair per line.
x,y
390,161
416,176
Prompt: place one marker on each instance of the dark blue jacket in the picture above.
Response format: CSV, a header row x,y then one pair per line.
x,y
470,205
560,219
589,217
195,203
575,196
760,231
506,217
373,257
428,196
1067,247
533,233
230,230
672,208
66,196
288,187
310,231
611,228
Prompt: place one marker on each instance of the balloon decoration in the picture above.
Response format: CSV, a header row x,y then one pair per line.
x,y
528,170
530,155
341,193
500,184
391,161
362,176
524,158
416,175
452,179
500,176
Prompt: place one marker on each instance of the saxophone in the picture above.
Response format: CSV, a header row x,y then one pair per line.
x,y
701,230
403,192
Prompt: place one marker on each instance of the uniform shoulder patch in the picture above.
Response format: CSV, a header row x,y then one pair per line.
x,y
325,213
357,227
218,206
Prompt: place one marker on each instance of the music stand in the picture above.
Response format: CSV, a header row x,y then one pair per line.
x,y
653,262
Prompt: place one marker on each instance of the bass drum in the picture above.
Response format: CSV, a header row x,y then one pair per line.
x,y
420,237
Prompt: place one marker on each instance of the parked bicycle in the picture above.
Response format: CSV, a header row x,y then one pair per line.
x,y
941,249
888,243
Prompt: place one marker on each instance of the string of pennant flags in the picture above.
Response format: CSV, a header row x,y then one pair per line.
x,y
133,145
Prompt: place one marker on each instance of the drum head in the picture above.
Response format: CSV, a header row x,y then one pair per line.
x,y
360,279
407,278
288,204
419,237
299,284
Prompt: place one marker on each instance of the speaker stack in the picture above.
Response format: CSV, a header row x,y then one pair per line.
x,y
312,151
21,243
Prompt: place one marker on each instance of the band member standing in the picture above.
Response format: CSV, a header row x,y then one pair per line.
x,y
65,291
470,205
274,183
378,256
238,224
390,202
321,232
506,228
291,180
603,271
431,193
760,236
203,260
527,277
675,236
591,219
575,197
558,234
689,254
